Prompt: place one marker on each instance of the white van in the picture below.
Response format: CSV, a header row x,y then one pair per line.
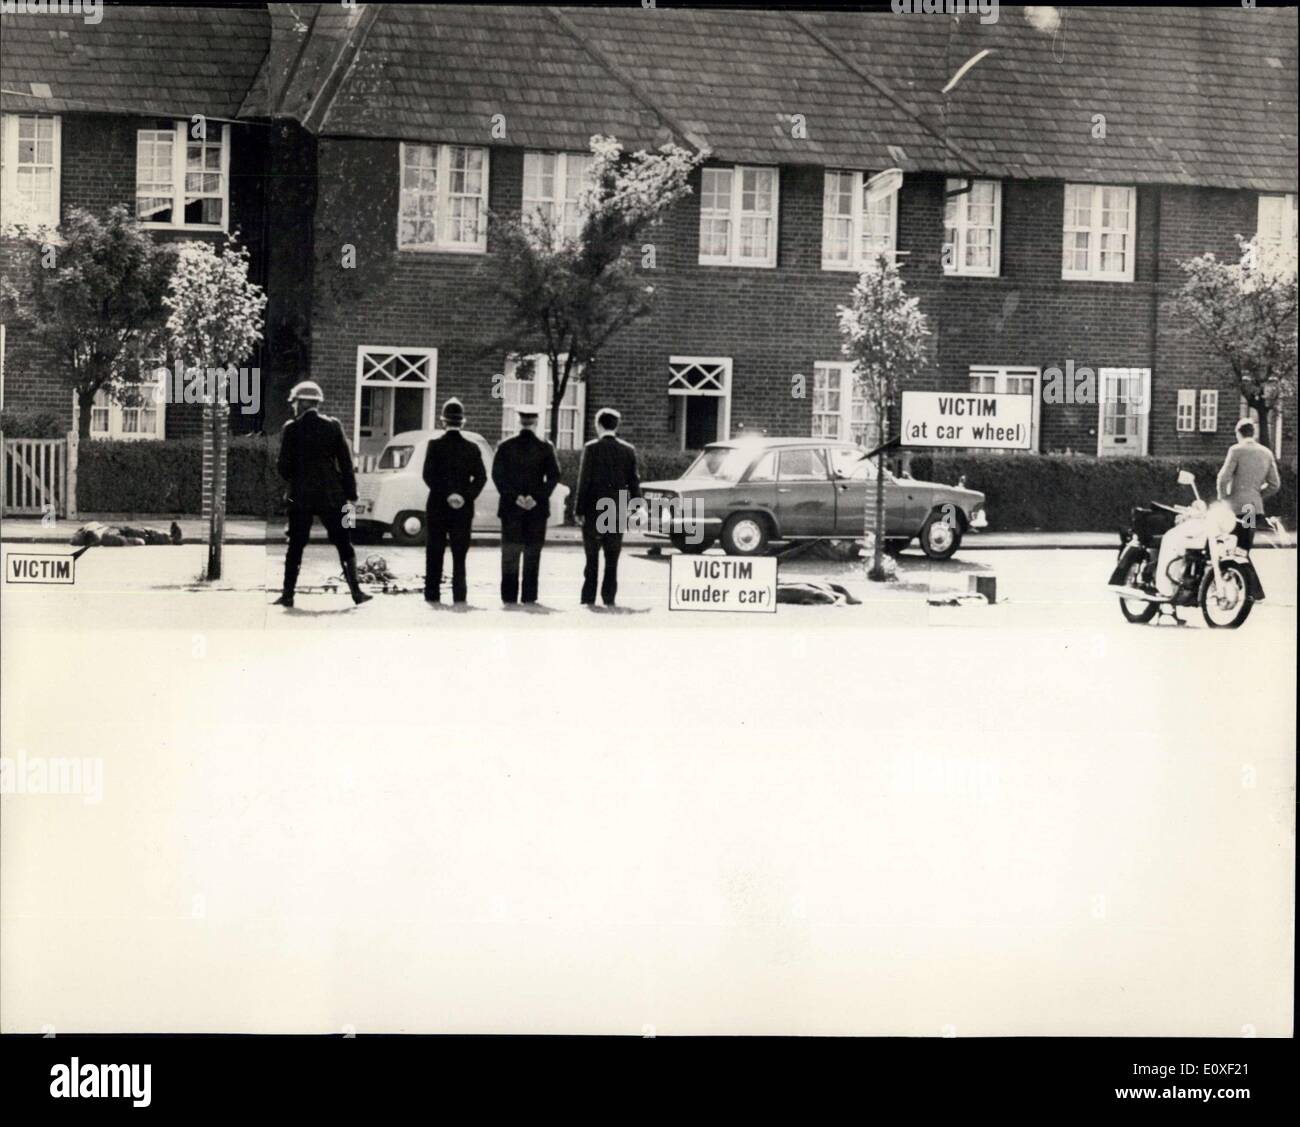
x,y
392,497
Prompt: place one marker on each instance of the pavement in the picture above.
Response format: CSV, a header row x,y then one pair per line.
x,y
247,530
889,818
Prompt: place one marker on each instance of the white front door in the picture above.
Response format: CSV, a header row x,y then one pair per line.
x,y
1123,411
395,393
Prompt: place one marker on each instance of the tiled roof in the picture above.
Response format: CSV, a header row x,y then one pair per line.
x,y
1189,95
166,61
442,73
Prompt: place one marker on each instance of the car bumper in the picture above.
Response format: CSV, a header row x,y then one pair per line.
x,y
979,519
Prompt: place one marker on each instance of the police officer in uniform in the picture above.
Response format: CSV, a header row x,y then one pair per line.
x,y
454,473
607,482
525,472
316,461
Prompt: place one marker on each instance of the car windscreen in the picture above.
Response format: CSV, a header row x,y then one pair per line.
x,y
394,457
721,463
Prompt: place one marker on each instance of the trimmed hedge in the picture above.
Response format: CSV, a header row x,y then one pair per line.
x,y
1076,493
1026,492
33,424
167,477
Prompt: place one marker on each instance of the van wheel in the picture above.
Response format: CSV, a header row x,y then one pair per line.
x,y
408,529
745,534
940,537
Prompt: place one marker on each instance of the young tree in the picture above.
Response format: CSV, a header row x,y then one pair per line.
x,y
565,297
1245,312
883,331
216,319
97,303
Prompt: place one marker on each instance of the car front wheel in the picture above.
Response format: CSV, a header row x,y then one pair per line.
x,y
408,529
745,534
940,537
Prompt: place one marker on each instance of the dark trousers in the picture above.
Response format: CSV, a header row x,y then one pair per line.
x,y
521,538
594,544
442,531
1245,534
300,518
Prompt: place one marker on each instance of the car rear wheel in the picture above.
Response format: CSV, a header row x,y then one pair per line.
x,y
684,544
940,537
408,529
745,534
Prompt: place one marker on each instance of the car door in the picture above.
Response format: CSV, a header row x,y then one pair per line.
x,y
855,482
805,494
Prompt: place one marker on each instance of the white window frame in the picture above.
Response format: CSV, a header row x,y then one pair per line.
x,y
858,218
181,141
1096,231
381,355
442,204
116,415
1107,379
1000,375
1207,417
11,209
1275,230
1185,415
735,215
838,378
956,219
569,187
573,407
701,376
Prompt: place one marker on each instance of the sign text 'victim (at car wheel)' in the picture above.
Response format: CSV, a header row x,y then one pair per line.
x,y
980,420
723,583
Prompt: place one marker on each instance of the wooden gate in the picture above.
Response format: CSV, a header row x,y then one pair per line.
x,y
38,477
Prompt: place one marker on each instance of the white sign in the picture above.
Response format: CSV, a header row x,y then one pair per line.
x,y
40,567
722,583
983,420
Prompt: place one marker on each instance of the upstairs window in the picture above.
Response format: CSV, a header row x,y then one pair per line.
x,y
972,228
444,195
1099,232
738,211
1276,232
182,176
853,230
553,188
29,169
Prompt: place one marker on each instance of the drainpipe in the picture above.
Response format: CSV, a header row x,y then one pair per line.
x,y
1155,312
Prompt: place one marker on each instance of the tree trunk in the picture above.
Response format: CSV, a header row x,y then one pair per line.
x,y
1265,435
85,403
876,573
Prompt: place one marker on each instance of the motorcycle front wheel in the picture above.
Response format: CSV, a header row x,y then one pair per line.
x,y
1232,609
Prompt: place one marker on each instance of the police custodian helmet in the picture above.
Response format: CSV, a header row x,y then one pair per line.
x,y
308,389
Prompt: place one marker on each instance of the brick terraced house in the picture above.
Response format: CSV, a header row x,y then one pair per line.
x,y
1050,191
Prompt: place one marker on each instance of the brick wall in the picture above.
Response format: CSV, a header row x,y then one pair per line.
x,y
97,171
776,323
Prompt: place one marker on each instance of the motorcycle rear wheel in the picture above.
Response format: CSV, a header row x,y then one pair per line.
x,y
1136,610
1234,608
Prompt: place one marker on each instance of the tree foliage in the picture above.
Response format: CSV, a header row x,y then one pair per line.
x,y
1245,313
97,302
564,297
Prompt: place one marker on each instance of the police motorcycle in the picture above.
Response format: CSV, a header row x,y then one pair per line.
x,y
1217,576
